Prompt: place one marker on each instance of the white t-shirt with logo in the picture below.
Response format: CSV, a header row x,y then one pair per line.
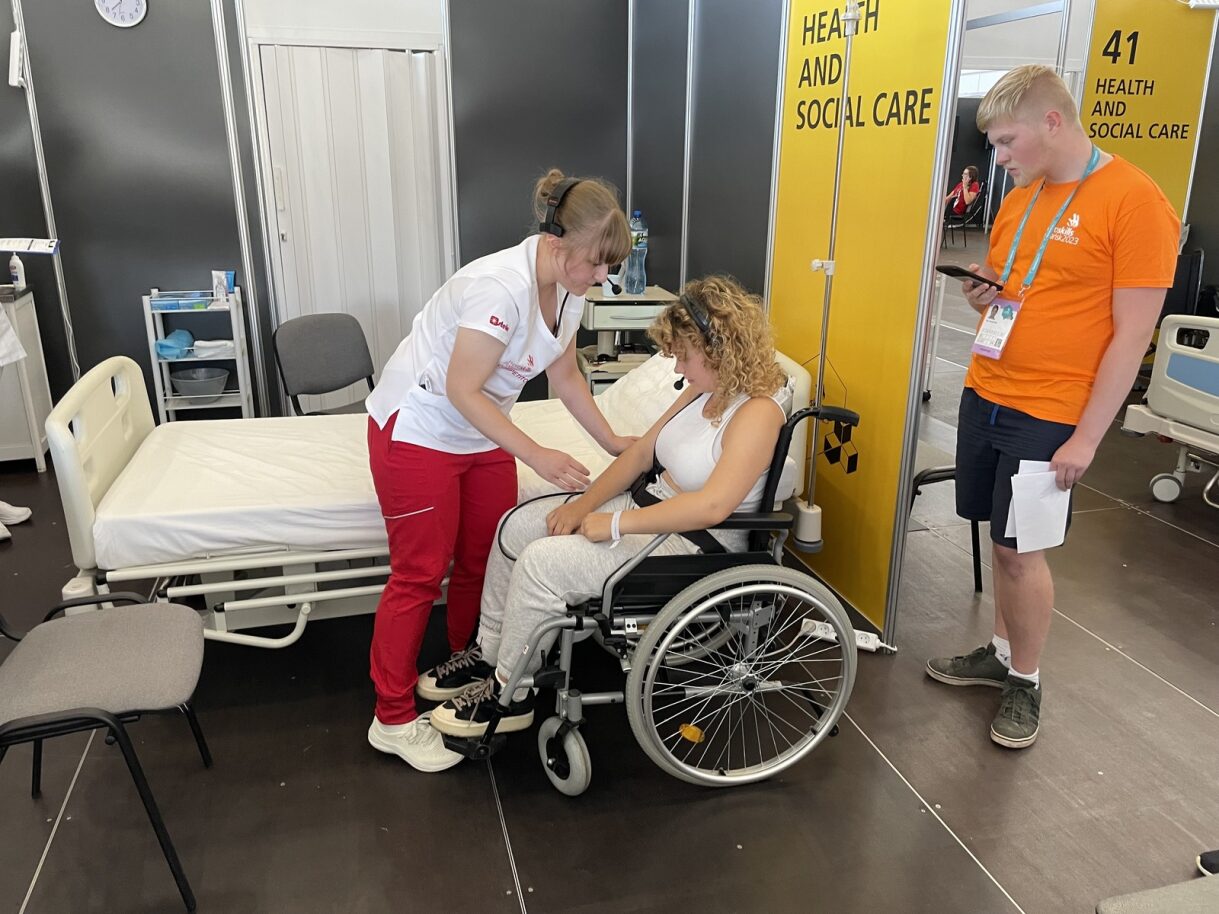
x,y
496,295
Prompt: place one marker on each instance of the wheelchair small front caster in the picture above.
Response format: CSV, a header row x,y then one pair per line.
x,y
565,756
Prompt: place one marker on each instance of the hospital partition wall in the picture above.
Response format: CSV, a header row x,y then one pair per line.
x,y
883,105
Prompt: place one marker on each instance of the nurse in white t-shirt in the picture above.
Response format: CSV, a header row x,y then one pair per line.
x,y
443,449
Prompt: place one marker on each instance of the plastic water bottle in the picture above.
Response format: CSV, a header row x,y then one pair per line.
x,y
16,273
636,278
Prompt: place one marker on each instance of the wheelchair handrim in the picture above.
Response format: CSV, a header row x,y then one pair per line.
x,y
796,750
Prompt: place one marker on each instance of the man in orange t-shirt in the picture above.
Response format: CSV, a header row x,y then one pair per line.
x,y
1085,248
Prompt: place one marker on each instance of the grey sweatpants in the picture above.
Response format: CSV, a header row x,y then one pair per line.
x,y
532,577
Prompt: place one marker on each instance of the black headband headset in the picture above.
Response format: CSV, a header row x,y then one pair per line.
x,y
549,226
553,200
703,322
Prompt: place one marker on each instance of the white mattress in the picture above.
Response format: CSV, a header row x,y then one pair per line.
x,y
213,487
196,489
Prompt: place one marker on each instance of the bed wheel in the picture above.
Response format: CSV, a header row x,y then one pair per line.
x,y
565,757
1165,487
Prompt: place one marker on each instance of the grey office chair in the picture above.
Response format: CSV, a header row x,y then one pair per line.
x,y
104,669
322,353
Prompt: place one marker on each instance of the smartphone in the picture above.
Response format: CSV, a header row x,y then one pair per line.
x,y
961,273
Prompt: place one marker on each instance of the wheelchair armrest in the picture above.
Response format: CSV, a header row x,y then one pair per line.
x,y
120,597
839,414
756,520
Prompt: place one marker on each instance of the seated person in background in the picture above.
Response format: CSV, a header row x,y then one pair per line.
x,y
713,446
963,194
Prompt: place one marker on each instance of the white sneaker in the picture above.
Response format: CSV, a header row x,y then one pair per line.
x,y
4,534
416,743
10,514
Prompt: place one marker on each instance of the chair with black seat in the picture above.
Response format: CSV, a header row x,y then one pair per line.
x,y
319,354
971,216
932,475
103,670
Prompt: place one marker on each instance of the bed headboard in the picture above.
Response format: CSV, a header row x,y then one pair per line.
x,y
802,396
93,433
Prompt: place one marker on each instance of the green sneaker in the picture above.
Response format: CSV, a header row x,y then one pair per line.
x,y
980,667
1015,726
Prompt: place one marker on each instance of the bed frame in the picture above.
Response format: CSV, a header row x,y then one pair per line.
x,y
96,429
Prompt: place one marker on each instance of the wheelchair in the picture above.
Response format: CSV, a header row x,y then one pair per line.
x,y
736,666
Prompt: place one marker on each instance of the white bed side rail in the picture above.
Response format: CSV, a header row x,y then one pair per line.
x,y
93,433
802,396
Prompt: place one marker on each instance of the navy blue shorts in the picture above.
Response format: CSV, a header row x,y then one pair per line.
x,y
991,442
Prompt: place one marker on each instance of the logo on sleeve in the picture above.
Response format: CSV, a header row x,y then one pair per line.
x,y
496,322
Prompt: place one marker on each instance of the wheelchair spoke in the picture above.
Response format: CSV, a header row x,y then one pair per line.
x,y
709,663
774,718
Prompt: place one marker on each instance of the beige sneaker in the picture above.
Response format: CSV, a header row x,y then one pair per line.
x,y
11,514
4,534
416,743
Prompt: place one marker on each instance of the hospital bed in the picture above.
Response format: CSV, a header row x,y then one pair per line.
x,y
270,521
1182,405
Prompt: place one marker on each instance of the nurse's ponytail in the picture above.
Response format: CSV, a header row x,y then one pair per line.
x,y
590,214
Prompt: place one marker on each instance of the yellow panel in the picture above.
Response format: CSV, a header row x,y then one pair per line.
x,y
888,171
1143,89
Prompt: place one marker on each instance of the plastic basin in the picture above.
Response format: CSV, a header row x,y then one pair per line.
x,y
205,385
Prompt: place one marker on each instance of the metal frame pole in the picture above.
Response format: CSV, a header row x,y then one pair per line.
x,y
850,25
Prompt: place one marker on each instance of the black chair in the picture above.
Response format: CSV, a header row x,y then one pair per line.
x,y
932,475
104,669
319,354
971,216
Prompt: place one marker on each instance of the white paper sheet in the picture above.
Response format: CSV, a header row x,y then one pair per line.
x,y
1037,517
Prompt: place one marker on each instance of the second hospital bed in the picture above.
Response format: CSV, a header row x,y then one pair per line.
x,y
1182,405
271,520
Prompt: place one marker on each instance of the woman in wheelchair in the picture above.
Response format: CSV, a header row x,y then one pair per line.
x,y
710,452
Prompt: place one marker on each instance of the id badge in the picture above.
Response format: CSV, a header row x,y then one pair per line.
x,y
996,327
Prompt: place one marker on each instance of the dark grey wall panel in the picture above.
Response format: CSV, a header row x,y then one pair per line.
x,y
21,216
137,158
659,105
535,84
736,73
1204,199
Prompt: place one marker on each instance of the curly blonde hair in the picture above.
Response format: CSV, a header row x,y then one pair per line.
x,y
741,347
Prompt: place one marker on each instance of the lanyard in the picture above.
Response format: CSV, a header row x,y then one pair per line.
x,y
1036,264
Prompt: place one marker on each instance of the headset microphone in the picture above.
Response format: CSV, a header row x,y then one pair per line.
x,y
679,383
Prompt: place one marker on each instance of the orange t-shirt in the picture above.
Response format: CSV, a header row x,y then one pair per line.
x,y
1120,232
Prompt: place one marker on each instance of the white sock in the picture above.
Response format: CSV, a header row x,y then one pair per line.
x,y
1033,677
1003,650
518,694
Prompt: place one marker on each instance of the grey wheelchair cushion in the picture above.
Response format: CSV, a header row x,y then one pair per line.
x,y
1199,895
125,658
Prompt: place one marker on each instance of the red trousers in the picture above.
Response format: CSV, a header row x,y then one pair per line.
x,y
437,507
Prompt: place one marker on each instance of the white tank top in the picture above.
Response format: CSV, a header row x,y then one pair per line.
x,y
689,446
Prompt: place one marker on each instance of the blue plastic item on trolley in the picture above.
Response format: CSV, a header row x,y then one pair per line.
x,y
176,345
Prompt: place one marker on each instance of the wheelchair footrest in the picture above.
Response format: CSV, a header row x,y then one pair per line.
x,y
475,748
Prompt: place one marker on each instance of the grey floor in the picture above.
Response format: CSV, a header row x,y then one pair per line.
x,y
910,809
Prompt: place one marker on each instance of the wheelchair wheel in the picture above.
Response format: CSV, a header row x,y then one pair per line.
x,y
565,757
756,703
